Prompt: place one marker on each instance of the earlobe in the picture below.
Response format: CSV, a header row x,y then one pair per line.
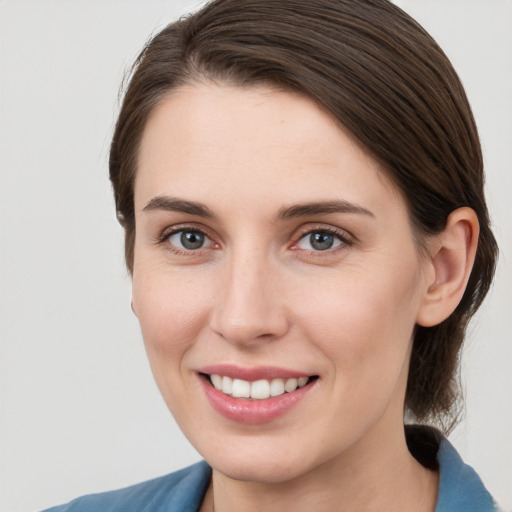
x,y
452,254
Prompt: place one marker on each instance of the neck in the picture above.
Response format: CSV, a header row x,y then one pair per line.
x,y
381,477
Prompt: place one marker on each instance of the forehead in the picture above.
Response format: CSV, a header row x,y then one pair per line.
x,y
209,140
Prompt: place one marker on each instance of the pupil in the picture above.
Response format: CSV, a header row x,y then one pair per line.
x,y
192,240
321,241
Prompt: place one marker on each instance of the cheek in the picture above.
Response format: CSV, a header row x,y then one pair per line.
x,y
363,323
172,310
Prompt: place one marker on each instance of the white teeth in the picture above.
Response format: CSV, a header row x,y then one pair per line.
x,y
290,385
277,387
302,381
227,385
258,390
241,388
216,381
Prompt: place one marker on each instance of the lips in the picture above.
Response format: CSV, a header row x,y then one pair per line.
x,y
255,395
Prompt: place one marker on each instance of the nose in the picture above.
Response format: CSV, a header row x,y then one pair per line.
x,y
249,306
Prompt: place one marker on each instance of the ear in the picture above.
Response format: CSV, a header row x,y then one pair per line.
x,y
451,257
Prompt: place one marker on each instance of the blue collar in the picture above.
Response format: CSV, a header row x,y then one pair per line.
x,y
460,488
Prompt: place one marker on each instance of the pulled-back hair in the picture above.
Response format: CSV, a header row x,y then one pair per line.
x,y
379,74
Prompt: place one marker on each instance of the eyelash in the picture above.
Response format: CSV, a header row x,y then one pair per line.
x,y
167,234
344,239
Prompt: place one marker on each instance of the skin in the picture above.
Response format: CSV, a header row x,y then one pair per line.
x,y
257,293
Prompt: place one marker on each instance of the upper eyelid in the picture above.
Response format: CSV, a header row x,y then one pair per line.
x,y
172,230
305,230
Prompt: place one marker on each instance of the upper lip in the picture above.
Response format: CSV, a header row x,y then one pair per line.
x,y
252,374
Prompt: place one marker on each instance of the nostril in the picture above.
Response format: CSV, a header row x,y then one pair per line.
x,y
246,332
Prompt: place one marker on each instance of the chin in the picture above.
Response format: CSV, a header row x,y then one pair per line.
x,y
267,461
259,471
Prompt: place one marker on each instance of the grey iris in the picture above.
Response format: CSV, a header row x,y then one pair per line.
x,y
192,240
321,241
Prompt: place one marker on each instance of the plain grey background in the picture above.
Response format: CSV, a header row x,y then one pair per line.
x,y
78,407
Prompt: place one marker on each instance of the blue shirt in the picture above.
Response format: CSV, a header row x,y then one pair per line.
x,y
460,490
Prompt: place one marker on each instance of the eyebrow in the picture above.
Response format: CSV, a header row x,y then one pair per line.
x,y
323,207
174,204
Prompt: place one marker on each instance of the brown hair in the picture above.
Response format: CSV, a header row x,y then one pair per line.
x,y
384,78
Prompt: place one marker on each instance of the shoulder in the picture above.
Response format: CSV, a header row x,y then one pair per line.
x,y
183,490
460,487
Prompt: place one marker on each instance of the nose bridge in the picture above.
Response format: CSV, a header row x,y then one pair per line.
x,y
248,307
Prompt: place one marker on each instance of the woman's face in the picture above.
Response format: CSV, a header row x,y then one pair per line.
x,y
271,249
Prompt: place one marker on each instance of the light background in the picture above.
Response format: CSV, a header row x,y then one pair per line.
x,y
78,407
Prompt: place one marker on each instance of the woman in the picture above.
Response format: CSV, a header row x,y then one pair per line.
x,y
301,188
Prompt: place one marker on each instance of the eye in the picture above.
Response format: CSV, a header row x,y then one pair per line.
x,y
320,240
188,239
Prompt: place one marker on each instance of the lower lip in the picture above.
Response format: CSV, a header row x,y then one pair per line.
x,y
253,412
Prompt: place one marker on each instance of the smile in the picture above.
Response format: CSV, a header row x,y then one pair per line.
x,y
254,396
256,390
